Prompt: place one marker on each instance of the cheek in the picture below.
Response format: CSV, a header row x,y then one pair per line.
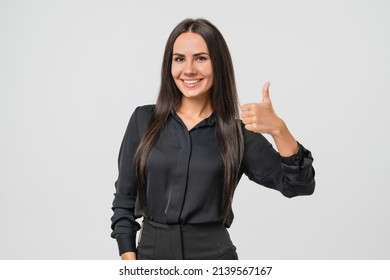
x,y
175,75
175,71
209,74
207,70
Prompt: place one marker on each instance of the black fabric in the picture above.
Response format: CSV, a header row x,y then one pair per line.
x,y
209,241
184,174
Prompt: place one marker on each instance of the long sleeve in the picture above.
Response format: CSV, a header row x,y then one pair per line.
x,y
292,176
124,223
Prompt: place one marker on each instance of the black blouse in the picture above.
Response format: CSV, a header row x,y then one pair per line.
x,y
184,174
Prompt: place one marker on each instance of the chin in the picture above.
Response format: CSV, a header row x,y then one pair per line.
x,y
194,94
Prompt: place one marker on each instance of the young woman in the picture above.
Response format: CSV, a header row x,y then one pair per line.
x,y
181,159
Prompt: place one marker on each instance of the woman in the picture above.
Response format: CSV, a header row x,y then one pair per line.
x,y
181,159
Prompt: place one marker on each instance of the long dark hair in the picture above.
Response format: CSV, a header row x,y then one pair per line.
x,y
224,101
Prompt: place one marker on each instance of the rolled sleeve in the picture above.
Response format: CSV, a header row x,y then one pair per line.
x,y
292,176
299,172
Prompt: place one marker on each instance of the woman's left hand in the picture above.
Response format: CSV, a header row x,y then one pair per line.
x,y
261,117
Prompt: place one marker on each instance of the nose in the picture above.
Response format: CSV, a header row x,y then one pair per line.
x,y
190,69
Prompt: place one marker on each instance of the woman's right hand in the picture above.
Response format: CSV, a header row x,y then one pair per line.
x,y
129,256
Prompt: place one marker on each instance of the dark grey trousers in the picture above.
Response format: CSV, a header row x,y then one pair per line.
x,y
185,242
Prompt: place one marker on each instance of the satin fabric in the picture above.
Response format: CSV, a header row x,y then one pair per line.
x,y
185,174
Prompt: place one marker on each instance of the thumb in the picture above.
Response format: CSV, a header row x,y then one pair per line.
x,y
266,98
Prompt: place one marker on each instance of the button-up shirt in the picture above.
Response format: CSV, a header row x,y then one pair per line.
x,y
184,174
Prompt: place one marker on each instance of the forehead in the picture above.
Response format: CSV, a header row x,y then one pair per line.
x,y
189,43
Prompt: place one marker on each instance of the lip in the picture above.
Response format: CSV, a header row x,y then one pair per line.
x,y
191,83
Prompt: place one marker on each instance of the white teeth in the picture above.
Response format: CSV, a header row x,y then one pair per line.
x,y
191,81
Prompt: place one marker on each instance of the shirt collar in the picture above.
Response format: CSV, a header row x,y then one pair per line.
x,y
209,121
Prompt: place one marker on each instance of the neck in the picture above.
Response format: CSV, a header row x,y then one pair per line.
x,y
195,108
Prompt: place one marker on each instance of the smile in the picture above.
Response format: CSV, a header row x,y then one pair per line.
x,y
191,82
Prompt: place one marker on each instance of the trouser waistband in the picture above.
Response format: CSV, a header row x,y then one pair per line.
x,y
185,227
184,241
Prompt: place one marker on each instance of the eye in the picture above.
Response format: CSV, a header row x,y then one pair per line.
x,y
178,59
200,58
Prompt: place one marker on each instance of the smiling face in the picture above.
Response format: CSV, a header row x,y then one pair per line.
x,y
191,66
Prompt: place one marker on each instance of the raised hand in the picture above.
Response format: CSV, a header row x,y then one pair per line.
x,y
261,118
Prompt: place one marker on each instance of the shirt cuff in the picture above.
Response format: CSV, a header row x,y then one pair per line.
x,y
126,244
297,158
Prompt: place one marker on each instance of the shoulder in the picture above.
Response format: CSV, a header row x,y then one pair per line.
x,y
143,113
144,110
141,117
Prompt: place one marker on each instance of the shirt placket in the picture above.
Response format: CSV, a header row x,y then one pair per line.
x,y
177,196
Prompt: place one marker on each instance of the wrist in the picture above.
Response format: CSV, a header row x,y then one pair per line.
x,y
129,256
280,129
285,142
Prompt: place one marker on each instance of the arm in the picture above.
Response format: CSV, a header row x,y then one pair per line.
x,y
124,223
290,171
292,176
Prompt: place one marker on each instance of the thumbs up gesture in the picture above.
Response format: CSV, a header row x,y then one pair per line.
x,y
261,117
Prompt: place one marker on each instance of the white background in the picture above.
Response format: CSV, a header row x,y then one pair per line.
x,y
72,72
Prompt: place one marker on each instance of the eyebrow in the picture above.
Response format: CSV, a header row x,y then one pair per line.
x,y
197,54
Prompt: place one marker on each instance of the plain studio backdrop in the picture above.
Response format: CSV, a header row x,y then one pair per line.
x,y
72,72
